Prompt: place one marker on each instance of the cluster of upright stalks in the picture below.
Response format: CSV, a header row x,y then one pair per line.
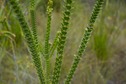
x,y
30,34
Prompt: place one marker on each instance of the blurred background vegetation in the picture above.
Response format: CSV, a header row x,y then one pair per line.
x,y
104,59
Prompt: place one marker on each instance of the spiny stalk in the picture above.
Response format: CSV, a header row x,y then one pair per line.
x,y
84,41
33,21
49,14
34,27
29,39
62,39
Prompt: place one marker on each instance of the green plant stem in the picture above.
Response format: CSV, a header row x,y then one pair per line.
x,y
33,21
62,39
49,14
84,41
29,39
6,24
54,45
48,71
